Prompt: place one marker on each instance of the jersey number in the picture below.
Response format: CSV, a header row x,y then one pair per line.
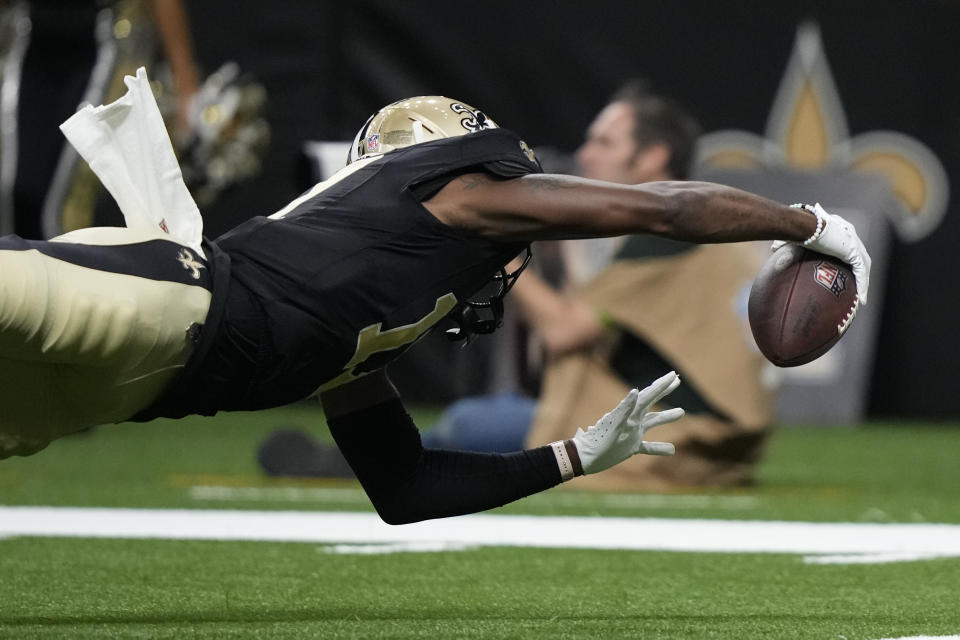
x,y
372,339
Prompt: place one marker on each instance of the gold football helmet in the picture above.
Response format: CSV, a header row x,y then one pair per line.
x,y
414,120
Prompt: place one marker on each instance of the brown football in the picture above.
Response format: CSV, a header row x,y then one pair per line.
x,y
800,304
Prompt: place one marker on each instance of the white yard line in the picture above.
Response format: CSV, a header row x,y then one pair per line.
x,y
859,542
338,495
397,547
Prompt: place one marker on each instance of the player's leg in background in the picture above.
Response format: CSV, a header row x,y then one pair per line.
x,y
497,423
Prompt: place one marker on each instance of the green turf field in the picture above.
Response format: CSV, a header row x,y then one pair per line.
x,y
103,588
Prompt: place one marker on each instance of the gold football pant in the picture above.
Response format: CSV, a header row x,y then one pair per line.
x,y
93,337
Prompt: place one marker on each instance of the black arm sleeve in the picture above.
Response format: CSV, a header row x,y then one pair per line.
x,y
408,483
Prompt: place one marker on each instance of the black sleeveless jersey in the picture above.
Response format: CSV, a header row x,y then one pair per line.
x,y
347,276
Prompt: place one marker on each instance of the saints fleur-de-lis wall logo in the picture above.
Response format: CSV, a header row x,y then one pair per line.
x,y
807,130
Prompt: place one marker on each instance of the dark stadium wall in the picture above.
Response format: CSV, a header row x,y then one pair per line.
x,y
543,68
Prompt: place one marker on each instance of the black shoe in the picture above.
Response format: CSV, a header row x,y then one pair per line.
x,y
292,453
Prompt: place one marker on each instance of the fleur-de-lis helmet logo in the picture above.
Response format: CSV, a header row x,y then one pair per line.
x,y
476,119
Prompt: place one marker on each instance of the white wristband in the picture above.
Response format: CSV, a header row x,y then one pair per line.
x,y
563,460
821,220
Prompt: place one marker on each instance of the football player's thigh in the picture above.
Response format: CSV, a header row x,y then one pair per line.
x,y
55,311
24,294
32,408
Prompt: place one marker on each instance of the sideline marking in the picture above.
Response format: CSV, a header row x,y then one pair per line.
x,y
907,541
350,495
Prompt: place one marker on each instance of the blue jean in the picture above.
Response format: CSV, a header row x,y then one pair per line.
x,y
497,423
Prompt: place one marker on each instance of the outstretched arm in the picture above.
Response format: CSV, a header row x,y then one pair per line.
x,y
545,207
407,483
552,207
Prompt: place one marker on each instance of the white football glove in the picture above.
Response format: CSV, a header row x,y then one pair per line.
x,y
619,434
836,237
